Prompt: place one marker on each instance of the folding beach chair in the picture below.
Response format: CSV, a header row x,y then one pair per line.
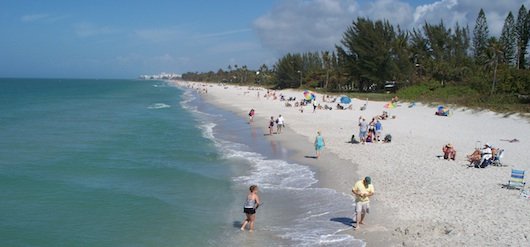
x,y
496,160
517,180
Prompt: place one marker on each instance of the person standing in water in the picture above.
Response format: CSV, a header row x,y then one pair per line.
x,y
251,204
251,116
319,144
279,124
271,125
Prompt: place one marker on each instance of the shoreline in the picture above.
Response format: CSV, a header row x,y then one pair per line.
x,y
374,233
416,203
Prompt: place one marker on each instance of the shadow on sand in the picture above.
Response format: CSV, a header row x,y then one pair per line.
x,y
344,220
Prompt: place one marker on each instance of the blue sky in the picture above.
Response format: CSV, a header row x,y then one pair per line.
x,y
123,39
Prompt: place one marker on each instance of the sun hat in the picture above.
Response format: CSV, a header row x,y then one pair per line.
x,y
368,180
449,145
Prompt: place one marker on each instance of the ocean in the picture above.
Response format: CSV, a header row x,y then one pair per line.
x,y
144,163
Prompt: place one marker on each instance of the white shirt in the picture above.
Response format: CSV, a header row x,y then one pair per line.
x,y
486,153
280,120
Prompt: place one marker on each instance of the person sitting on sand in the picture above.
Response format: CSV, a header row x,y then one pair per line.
x,y
369,137
383,116
449,152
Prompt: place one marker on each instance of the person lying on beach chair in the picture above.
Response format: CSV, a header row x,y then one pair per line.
x,y
449,152
481,158
474,157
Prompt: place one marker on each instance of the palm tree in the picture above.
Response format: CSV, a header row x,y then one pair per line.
x,y
495,56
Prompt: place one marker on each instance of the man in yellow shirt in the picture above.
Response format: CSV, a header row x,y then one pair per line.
x,y
363,190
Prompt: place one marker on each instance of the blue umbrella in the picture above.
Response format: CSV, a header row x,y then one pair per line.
x,y
345,100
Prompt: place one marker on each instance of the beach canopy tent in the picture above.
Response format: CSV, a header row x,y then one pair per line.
x,y
309,95
345,100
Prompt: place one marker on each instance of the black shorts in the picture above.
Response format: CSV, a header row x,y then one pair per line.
x,y
249,210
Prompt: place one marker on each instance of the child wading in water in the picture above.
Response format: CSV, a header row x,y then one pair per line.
x,y
251,204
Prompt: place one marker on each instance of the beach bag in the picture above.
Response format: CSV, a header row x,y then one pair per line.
x,y
388,138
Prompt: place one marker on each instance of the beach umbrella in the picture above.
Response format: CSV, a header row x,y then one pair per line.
x,y
308,95
389,105
345,100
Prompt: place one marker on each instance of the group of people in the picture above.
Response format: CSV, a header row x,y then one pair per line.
x,y
362,190
279,122
370,132
480,158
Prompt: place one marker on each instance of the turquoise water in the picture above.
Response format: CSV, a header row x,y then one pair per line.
x,y
105,163
142,163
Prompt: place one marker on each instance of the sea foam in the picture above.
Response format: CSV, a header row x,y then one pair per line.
x,y
158,106
325,209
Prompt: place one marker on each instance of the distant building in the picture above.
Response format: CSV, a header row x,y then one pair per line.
x,y
162,76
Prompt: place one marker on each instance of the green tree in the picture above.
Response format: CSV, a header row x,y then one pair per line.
x,y
508,39
494,54
522,32
480,37
286,70
367,47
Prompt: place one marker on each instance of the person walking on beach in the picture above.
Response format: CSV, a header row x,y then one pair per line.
x,y
319,144
271,125
251,204
279,124
363,190
251,116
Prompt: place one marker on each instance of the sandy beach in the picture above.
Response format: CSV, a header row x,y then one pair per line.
x,y
421,200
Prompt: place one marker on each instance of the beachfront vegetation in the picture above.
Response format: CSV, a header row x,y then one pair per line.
x,y
433,63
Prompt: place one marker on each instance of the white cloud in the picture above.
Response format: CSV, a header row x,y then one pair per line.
x,y
305,25
35,17
86,29
314,25
224,33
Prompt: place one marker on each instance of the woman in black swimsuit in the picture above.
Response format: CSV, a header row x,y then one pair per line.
x,y
251,204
